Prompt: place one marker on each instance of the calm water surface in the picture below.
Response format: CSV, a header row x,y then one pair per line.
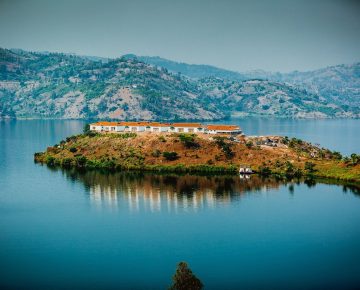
x,y
71,230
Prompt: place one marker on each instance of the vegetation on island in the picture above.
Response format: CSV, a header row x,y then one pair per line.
x,y
172,152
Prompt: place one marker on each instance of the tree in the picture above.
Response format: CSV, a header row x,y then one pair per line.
x,y
310,167
86,128
170,155
184,279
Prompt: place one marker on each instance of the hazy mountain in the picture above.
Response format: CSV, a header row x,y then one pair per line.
x,y
190,70
54,85
262,97
338,84
67,86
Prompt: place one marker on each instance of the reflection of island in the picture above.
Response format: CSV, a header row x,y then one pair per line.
x,y
167,192
155,192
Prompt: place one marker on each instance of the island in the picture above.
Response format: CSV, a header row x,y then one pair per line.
x,y
188,152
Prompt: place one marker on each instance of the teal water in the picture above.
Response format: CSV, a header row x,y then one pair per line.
x,y
71,230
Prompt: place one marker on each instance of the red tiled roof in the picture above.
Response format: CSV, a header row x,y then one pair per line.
x,y
192,125
223,127
104,124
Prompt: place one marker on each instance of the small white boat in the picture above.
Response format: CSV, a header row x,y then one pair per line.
x,y
244,169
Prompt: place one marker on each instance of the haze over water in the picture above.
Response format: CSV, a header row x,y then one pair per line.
x,y
66,229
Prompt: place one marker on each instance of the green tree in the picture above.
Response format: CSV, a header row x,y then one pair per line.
x,y
310,167
170,155
184,279
86,129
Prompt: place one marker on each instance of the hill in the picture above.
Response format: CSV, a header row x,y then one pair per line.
x,y
191,70
53,85
56,85
338,85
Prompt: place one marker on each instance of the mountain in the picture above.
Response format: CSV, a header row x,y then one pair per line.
x,y
56,85
337,84
196,71
263,97
53,85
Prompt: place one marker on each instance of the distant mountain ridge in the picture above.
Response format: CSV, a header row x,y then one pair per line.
x,y
191,70
58,85
339,84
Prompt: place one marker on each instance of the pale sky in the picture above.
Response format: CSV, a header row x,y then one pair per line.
x,y
281,35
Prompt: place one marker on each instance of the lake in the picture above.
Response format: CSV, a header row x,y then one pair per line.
x,y
97,230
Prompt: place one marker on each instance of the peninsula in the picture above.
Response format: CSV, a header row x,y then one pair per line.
x,y
178,151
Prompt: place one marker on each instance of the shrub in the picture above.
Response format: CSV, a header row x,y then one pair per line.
x,y
310,167
162,139
66,162
156,153
249,144
226,147
189,140
72,149
264,170
170,155
355,159
50,160
86,129
337,155
81,161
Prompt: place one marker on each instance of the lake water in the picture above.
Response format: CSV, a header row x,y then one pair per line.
x,y
70,230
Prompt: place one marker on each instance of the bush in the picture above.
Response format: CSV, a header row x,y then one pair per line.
x,y
66,162
86,129
337,155
72,149
156,153
81,161
310,167
226,147
162,139
170,155
50,160
189,140
264,170
249,144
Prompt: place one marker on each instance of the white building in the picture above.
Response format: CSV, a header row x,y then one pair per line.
x,y
164,127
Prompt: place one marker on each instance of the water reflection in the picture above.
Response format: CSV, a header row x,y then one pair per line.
x,y
170,192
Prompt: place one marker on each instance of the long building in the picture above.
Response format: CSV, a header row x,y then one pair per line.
x,y
164,127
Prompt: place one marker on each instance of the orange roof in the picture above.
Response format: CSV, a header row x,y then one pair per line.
x,y
104,124
223,127
194,125
138,123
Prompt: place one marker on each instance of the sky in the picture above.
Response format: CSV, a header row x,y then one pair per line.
x,y
278,35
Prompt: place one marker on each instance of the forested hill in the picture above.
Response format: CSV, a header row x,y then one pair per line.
x,y
338,84
54,85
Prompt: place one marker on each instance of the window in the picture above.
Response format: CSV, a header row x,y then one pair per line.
x,y
191,130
